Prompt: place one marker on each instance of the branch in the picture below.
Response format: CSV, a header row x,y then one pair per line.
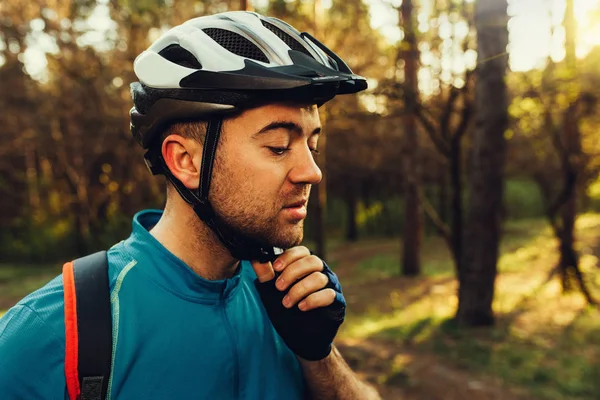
x,y
570,174
442,229
467,111
544,186
431,130
448,108
465,119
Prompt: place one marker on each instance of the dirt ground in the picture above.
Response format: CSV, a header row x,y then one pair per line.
x,y
423,376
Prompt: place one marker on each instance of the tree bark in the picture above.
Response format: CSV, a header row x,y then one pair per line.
x,y
457,202
567,142
572,146
413,219
351,202
245,5
321,188
443,194
478,269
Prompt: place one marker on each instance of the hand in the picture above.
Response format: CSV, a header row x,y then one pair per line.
x,y
303,279
300,272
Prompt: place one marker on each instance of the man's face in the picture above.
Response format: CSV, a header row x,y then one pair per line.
x,y
264,169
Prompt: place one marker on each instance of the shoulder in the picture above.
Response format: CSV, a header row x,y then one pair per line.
x,y
120,261
41,309
32,344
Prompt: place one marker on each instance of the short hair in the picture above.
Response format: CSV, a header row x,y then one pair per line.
x,y
189,129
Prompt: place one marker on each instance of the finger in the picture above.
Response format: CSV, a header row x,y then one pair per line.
x,y
322,298
264,271
304,287
289,256
298,270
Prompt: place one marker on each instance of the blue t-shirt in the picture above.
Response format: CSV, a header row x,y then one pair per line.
x,y
175,334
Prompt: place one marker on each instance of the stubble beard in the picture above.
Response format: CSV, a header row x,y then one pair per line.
x,y
254,216
261,222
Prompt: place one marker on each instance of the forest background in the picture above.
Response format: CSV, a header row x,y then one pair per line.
x,y
461,199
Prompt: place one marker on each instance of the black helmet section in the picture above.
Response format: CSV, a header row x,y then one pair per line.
x,y
239,245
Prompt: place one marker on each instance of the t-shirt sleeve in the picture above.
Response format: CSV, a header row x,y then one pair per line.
x,y
31,357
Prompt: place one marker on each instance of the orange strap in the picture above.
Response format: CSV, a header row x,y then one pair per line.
x,y
71,334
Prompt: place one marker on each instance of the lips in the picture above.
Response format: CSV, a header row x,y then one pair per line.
x,y
297,204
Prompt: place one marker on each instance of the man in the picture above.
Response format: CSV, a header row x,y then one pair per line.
x,y
203,304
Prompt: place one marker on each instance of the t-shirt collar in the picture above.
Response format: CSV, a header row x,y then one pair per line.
x,y
169,271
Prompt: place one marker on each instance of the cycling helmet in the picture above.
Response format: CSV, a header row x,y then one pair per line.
x,y
214,66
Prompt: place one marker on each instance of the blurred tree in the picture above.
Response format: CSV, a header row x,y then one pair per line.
x,y
571,154
355,136
245,5
478,269
555,112
446,118
446,130
413,225
320,190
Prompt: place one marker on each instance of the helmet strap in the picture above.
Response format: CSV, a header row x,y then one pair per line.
x,y
239,245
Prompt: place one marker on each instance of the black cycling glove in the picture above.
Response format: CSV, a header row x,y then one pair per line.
x,y
309,334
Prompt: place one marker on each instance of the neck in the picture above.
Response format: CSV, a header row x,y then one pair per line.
x,y
181,232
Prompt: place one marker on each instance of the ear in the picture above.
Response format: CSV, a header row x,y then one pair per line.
x,y
183,157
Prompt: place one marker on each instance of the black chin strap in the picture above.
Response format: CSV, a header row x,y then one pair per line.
x,y
240,246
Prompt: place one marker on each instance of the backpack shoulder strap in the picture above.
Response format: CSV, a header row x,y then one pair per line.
x,y
88,324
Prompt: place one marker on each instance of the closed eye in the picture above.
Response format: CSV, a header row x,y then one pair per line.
x,y
279,151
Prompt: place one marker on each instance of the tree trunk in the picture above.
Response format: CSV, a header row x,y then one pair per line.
x,y
413,220
568,257
32,175
321,188
245,5
457,203
351,202
443,194
568,211
568,266
478,270
318,211
571,141
81,232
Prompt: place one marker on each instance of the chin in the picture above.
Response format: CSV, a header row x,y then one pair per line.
x,y
290,237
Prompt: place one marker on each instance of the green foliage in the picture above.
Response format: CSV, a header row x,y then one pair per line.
x,y
523,199
39,240
16,281
44,240
383,217
382,266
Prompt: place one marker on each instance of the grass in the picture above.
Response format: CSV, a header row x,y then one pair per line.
x,y
16,281
522,242
546,342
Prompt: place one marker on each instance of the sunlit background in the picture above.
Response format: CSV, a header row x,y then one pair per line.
x,y
71,177
535,30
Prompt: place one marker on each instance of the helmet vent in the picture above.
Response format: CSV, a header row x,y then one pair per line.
x,y
290,41
178,55
236,43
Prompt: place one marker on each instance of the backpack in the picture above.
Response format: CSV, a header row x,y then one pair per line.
x,y
88,327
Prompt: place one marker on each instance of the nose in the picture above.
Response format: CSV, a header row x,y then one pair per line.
x,y
305,169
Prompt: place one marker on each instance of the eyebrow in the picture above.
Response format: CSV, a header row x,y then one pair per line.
x,y
287,125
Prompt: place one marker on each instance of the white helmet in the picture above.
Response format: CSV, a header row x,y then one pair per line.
x,y
229,61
